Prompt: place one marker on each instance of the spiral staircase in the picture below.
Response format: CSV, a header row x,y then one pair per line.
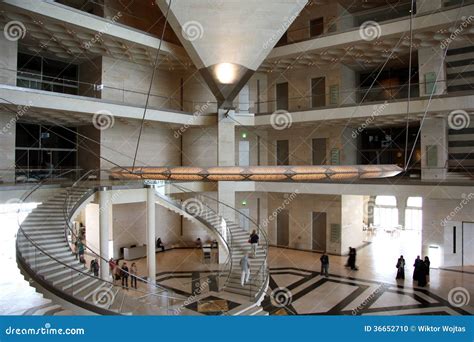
x,y
45,258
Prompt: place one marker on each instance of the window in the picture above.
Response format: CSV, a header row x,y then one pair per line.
x,y
414,214
386,201
316,27
386,212
45,74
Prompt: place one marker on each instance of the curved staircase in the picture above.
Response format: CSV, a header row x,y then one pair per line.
x,y
45,257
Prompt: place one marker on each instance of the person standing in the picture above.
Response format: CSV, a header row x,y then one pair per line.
x,y
427,268
351,261
80,252
125,276
112,265
245,266
422,271
133,275
117,272
254,243
416,270
324,264
95,267
400,268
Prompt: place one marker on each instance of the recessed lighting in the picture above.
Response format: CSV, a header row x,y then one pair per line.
x,y
225,73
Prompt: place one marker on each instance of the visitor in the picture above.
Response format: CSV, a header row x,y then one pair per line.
x,y
422,272
324,264
133,275
117,272
124,276
245,266
416,270
253,240
198,243
159,244
80,252
112,265
351,261
427,268
95,267
400,268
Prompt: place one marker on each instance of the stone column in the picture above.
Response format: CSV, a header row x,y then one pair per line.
x,y
401,205
434,149
105,213
226,157
430,62
151,233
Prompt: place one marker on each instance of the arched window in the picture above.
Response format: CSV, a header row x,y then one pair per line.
x,y
413,213
386,212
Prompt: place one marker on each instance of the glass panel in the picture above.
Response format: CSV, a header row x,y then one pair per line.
x,y
386,200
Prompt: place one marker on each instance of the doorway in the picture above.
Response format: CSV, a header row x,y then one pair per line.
x,y
319,151
319,231
283,228
282,152
318,92
282,96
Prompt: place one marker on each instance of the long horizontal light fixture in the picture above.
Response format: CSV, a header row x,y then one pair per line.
x,y
258,173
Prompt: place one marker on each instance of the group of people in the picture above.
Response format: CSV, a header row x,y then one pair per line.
x,y
421,273
123,273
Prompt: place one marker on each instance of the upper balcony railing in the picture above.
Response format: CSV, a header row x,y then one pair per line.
x,y
115,94
347,21
353,97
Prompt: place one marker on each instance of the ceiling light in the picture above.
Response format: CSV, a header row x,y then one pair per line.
x,y
225,73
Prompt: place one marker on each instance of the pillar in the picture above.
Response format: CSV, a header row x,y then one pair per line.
x,y
8,119
226,157
401,205
151,233
434,149
104,231
430,62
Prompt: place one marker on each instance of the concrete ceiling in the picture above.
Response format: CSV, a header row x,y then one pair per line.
x,y
361,55
64,41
